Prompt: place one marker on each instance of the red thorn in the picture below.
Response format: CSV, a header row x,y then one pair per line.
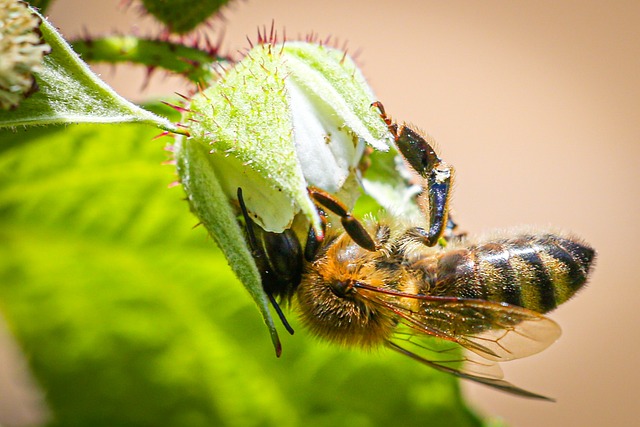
x,y
147,77
177,107
168,163
207,44
173,184
165,133
224,95
272,32
344,56
356,54
278,348
85,34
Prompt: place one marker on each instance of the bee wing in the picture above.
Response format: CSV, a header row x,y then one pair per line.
x,y
495,331
484,372
491,332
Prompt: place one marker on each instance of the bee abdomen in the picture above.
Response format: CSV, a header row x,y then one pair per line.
x,y
538,272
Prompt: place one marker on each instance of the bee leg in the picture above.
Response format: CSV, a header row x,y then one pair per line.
x,y
351,225
313,241
491,382
278,257
393,127
436,175
451,233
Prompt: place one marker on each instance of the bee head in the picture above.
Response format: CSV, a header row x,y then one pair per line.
x,y
332,307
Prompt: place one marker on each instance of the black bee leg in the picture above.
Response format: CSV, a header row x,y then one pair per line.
x,y
351,225
436,176
313,241
451,233
393,127
253,241
279,259
280,313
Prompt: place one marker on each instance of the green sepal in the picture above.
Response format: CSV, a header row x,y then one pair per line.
x,y
210,204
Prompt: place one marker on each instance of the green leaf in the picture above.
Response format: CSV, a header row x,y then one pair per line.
x,y
69,92
131,317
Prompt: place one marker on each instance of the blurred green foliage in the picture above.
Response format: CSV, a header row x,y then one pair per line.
x,y
182,16
131,317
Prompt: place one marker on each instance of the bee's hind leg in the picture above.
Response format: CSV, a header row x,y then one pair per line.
x,y
451,233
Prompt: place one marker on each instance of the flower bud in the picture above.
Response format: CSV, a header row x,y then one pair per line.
x,y
286,117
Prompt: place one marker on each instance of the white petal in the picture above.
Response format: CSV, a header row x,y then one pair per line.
x,y
325,152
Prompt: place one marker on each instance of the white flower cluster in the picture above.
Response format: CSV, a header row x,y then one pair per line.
x,y
21,52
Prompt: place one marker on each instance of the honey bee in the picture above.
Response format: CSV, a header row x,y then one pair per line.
x,y
391,283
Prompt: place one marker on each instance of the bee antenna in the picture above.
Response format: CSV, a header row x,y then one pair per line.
x,y
253,242
281,315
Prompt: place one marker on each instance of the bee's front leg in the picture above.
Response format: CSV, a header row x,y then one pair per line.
x,y
351,225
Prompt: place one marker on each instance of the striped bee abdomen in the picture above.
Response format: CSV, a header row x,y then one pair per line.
x,y
535,271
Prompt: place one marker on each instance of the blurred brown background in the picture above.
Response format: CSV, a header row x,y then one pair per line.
x,y
537,104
